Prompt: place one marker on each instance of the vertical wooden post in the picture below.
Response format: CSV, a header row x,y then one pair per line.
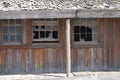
x,y
68,52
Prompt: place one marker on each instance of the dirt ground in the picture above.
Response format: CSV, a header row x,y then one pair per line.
x,y
61,76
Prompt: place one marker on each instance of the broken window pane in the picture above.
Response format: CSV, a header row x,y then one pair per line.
x,y
42,34
48,34
35,27
82,29
89,37
47,29
42,27
35,35
89,26
76,37
76,29
89,30
55,34
83,36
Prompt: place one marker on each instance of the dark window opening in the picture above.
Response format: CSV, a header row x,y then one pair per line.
x,y
48,34
83,36
89,37
45,30
42,27
82,29
36,27
77,37
89,30
76,29
85,33
55,34
42,34
85,30
35,34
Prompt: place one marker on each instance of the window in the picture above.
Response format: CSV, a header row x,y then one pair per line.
x,y
86,30
11,31
45,30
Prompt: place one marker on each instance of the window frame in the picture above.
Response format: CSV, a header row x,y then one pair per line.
x,y
44,41
86,43
15,34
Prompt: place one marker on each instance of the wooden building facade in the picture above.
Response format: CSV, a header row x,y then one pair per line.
x,y
38,45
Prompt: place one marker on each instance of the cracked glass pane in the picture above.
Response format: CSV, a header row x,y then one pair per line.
x,y
35,35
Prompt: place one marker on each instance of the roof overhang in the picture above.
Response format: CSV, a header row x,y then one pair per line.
x,y
60,14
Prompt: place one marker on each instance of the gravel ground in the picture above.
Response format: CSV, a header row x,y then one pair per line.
x,y
58,76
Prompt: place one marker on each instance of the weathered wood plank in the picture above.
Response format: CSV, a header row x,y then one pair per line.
x,y
29,31
0,32
96,57
9,60
23,60
87,59
49,59
27,62
24,29
41,61
18,61
54,60
74,55
100,58
92,59
80,59
61,61
35,60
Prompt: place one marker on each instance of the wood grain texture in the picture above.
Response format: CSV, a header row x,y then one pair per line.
x,y
0,32
48,59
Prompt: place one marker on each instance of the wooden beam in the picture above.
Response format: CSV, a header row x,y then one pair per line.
x,y
68,52
59,14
